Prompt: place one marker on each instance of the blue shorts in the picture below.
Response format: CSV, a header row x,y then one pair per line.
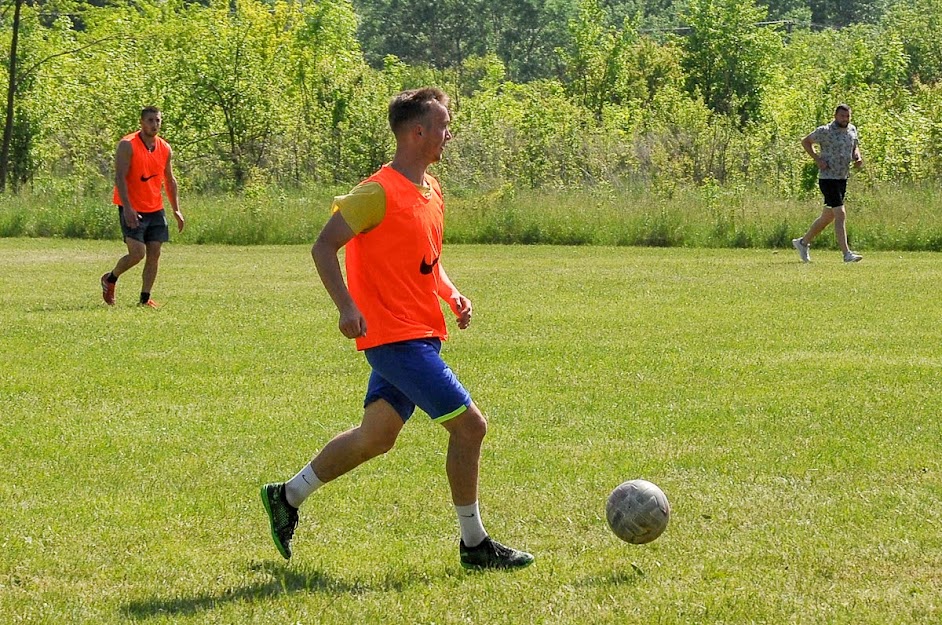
x,y
412,373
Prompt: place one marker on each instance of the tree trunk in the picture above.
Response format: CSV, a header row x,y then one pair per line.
x,y
11,91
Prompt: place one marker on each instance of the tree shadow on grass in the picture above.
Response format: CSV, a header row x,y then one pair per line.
x,y
285,579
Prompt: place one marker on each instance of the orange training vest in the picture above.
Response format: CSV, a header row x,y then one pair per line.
x,y
392,270
145,176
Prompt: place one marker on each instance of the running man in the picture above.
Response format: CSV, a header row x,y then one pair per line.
x,y
391,225
839,147
142,168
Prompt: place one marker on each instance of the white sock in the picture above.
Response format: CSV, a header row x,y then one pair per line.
x,y
472,530
300,487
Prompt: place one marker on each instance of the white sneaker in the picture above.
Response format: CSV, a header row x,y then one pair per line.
x,y
852,257
804,251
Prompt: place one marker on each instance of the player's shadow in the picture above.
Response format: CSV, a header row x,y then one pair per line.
x,y
284,579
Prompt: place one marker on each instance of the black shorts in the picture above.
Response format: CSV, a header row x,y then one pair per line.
x,y
151,227
833,190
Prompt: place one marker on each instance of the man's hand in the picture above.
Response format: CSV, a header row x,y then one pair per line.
x,y
352,324
821,163
130,218
461,306
180,221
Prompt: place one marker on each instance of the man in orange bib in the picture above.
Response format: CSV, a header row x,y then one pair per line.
x,y
391,226
142,169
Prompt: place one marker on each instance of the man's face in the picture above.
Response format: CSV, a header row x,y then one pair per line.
x,y
842,118
435,133
150,124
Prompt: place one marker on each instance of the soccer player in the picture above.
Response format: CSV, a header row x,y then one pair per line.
x,y
391,225
142,169
839,147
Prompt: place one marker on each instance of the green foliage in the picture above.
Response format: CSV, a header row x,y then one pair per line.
x,y
839,13
523,34
726,56
596,61
917,26
279,93
229,81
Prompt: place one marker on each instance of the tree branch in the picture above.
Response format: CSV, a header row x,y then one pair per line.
x,y
36,65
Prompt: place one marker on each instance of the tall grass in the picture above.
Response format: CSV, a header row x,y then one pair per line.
x,y
880,216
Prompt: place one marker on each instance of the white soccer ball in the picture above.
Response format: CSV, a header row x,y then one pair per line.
x,y
637,511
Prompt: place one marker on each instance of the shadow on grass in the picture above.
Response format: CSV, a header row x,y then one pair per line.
x,y
285,579
622,577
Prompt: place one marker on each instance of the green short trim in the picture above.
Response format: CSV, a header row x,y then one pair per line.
x,y
451,415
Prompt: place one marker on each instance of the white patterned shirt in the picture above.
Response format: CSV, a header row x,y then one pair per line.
x,y
837,147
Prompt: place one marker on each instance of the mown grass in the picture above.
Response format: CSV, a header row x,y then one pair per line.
x,y
881,216
790,413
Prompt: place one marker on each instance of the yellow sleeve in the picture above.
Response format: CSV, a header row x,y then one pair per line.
x,y
363,208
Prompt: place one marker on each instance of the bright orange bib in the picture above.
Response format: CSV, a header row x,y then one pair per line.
x,y
392,270
145,176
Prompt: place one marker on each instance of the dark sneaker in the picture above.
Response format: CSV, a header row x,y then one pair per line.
x,y
107,290
282,516
490,554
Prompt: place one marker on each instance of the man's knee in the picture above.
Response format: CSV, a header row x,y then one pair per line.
x,y
135,254
380,428
470,425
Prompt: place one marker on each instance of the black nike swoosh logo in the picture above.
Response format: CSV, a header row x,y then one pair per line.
x,y
143,179
426,268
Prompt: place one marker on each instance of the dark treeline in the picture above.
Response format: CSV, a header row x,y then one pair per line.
x,y
525,34
547,93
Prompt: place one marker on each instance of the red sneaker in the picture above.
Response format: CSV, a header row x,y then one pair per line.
x,y
107,290
150,304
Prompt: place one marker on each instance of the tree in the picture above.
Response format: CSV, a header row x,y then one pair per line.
x,y
11,94
917,25
727,56
48,37
595,63
840,13
234,79
442,34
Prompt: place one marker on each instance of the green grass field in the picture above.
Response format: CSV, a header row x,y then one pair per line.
x,y
790,412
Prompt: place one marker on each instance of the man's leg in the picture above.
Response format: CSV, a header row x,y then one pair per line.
x,y
840,228
136,252
465,435
840,231
376,434
822,222
149,275
477,550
